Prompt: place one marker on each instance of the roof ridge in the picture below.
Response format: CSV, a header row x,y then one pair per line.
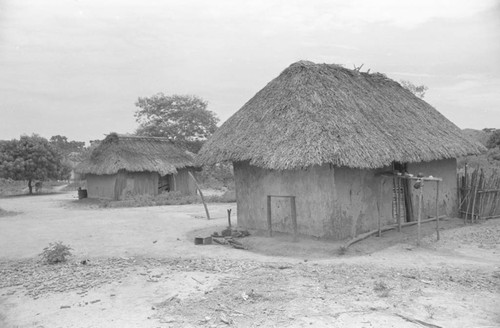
x,y
126,136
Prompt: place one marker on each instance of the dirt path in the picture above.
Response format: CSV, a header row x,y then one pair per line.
x,y
144,271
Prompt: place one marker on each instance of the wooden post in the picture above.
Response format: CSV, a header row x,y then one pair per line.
x,y
294,218
419,218
459,194
466,192
437,210
201,194
229,217
398,202
379,198
474,195
269,225
469,197
481,187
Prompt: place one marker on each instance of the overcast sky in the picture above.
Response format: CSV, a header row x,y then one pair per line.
x,y
76,67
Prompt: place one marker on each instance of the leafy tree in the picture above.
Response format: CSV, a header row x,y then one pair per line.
x,y
494,140
183,119
30,158
417,90
66,147
71,151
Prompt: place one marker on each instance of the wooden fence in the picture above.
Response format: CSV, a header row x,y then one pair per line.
x,y
478,195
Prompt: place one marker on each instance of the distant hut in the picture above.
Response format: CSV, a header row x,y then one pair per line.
x,y
123,164
324,134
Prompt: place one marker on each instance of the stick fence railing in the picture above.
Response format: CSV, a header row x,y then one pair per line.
x,y
478,195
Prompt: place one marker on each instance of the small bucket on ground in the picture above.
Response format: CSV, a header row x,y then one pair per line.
x,y
82,193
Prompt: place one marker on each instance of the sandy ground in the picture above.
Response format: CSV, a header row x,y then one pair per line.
x,y
143,270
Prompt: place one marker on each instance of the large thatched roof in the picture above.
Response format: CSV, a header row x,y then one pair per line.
x,y
135,154
318,113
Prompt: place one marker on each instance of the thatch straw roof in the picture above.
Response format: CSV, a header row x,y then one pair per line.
x,y
135,154
318,113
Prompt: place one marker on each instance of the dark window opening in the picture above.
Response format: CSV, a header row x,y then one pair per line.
x,y
401,201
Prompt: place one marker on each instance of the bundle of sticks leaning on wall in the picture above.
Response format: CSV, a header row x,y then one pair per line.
x,y
478,195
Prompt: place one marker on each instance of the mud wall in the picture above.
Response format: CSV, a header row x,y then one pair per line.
x,y
138,183
445,169
358,192
334,203
184,183
101,186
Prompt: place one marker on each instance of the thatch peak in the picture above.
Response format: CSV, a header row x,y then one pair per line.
x,y
313,114
136,154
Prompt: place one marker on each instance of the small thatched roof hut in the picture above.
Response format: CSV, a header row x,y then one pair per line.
x,y
123,164
316,119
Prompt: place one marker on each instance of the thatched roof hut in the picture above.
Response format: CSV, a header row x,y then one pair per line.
x,y
324,134
151,162
317,113
136,154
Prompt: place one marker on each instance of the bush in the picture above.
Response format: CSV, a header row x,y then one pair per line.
x,y
218,176
11,187
55,253
381,288
228,197
167,198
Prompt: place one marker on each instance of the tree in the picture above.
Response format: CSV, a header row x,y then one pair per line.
x,y
71,152
66,147
494,140
417,90
183,119
30,158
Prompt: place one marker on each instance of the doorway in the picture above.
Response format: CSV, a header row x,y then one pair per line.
x,y
401,201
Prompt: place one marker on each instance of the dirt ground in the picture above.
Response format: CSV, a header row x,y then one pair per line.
x,y
142,269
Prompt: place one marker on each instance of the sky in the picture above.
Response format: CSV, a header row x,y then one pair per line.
x,y
76,67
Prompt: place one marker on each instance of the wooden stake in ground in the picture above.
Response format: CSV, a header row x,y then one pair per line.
x,y
379,203
269,223
229,217
398,202
420,201
201,194
437,210
294,218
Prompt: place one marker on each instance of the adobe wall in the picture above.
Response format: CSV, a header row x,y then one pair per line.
x,y
445,169
138,183
101,186
334,203
357,194
184,183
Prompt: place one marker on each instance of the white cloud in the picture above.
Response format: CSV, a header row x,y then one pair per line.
x,y
409,13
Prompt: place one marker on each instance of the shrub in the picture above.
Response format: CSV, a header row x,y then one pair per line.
x,y
381,288
217,176
228,197
176,198
167,198
56,253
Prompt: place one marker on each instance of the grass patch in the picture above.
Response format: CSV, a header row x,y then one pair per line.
x,y
42,193
10,187
4,213
167,198
381,289
228,197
